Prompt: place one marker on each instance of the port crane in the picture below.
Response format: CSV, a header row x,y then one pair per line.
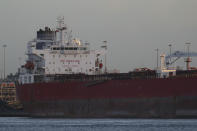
x,y
179,54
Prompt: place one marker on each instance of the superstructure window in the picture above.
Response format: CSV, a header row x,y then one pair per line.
x,y
67,48
29,79
83,48
56,48
25,79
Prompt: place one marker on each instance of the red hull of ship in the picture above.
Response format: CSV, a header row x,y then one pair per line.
x,y
177,94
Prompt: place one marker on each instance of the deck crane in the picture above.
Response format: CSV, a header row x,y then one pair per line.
x,y
177,55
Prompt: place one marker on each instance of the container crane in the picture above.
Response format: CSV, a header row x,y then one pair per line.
x,y
179,54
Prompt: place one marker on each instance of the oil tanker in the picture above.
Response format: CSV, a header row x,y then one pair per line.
x,y
63,77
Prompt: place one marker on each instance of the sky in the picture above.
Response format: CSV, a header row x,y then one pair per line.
x,y
132,28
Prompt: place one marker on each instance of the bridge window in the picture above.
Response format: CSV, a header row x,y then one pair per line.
x,y
68,48
83,48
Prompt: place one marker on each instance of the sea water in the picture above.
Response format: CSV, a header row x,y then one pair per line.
x,y
34,124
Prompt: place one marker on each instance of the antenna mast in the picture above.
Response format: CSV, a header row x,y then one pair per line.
x,y
61,28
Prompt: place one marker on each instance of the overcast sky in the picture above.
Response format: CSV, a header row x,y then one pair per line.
x,y
133,28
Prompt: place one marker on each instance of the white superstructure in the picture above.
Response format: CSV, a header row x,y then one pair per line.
x,y
55,52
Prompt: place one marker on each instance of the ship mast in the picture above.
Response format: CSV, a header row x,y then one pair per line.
x,y
105,47
61,28
188,59
157,50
